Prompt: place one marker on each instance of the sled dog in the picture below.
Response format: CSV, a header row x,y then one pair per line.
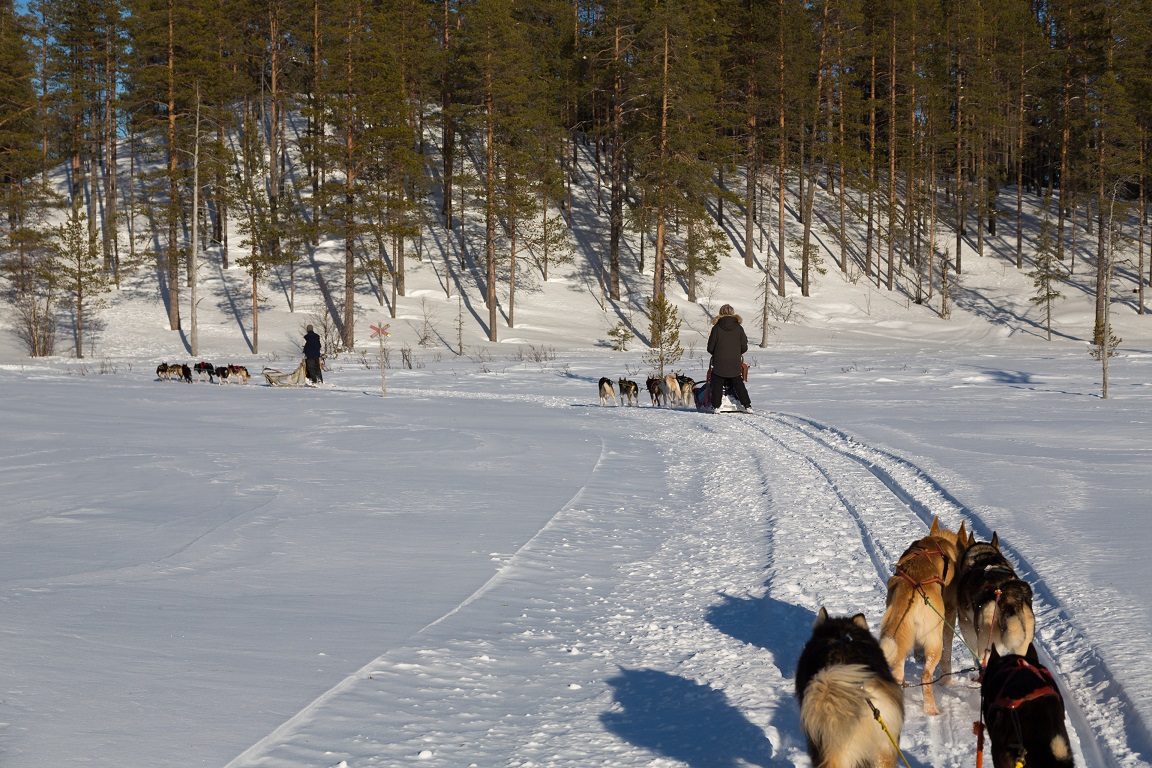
x,y
629,390
204,371
920,610
653,385
240,372
993,605
606,391
685,387
222,373
841,676
1024,712
669,390
174,372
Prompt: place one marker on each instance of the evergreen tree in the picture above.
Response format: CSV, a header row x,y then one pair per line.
x,y
502,91
78,266
664,323
679,47
1047,273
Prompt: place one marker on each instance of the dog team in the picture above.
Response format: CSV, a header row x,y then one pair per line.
x,y
668,391
204,372
850,685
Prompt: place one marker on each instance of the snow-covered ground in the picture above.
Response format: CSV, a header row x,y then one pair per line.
x,y
487,568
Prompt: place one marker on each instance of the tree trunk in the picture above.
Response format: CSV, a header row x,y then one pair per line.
x,y
490,195
173,192
616,215
661,194
892,158
751,168
871,228
1141,218
448,146
1020,166
780,248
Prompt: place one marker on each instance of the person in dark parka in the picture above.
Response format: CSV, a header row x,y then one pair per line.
x,y
727,344
312,351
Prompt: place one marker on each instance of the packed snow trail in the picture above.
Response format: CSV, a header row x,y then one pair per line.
x,y
663,630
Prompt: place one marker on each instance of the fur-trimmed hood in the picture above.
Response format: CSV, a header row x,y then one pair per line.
x,y
718,318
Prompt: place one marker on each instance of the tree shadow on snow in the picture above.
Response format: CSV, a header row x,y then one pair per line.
x,y
683,720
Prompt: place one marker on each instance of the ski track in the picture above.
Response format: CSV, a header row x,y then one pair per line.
x,y
689,655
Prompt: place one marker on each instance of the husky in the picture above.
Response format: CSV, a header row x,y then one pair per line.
x,y
685,388
993,605
629,389
842,681
204,371
1024,712
239,372
606,391
222,373
653,385
669,390
920,610
174,372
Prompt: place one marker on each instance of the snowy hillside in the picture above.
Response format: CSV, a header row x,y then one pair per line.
x,y
487,568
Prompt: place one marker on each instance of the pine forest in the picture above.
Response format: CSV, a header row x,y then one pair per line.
x,y
162,135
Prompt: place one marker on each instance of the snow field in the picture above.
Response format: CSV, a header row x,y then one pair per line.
x,y
691,656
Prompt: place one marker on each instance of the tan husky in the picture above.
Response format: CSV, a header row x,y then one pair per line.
x,y
920,610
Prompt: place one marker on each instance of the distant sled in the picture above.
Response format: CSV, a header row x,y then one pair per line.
x,y
275,378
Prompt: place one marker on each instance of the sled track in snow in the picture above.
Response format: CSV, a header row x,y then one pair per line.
x,y
1098,707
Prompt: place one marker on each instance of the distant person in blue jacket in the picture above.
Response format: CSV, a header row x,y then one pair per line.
x,y
312,351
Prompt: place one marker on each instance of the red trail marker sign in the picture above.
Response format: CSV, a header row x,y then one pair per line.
x,y
381,333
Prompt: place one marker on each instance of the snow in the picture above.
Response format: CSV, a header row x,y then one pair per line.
x,y
487,568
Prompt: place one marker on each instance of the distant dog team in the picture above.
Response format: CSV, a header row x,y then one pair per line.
x,y
669,391
204,372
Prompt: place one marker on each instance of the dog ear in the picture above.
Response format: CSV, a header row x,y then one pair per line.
x,y
996,541
962,534
993,657
1032,655
861,622
821,617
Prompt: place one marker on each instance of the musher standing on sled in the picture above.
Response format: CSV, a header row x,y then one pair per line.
x,y
727,344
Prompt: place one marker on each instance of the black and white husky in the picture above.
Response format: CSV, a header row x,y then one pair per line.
x,y
843,681
993,604
606,391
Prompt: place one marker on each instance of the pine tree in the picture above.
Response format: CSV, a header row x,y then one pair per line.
x,y
1048,273
79,267
664,323
677,128
501,93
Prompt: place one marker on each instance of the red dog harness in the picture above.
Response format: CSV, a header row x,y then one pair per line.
x,y
1019,666
918,550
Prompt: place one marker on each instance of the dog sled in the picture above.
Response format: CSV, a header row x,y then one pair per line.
x,y
702,395
296,378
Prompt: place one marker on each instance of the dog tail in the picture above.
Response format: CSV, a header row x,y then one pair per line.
x,y
1016,630
836,704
